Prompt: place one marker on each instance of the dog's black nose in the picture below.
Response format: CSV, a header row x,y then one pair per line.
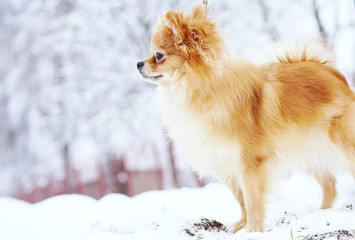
x,y
140,64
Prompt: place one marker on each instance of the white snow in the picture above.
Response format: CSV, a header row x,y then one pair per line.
x,y
166,214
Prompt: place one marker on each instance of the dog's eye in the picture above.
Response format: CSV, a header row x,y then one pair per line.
x,y
159,56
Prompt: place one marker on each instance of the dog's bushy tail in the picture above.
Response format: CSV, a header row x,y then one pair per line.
x,y
311,52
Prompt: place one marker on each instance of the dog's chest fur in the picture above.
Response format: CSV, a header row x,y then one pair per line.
x,y
196,138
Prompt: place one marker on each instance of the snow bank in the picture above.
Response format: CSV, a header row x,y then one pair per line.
x,y
176,214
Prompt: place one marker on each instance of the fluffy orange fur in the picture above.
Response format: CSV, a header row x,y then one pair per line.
x,y
241,122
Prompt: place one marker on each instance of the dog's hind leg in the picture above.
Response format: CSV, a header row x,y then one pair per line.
x,y
328,183
350,122
342,132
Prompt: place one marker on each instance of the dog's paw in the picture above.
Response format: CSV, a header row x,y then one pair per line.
x,y
255,228
237,226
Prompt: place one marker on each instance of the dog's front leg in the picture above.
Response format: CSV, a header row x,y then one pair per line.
x,y
238,194
254,182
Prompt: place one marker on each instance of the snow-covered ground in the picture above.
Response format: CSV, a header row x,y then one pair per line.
x,y
178,214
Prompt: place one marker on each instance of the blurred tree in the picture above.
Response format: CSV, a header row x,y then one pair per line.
x,y
316,13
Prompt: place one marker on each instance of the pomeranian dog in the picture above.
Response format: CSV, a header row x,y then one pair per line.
x,y
242,122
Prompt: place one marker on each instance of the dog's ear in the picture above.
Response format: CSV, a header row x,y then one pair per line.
x,y
195,34
177,24
205,35
173,20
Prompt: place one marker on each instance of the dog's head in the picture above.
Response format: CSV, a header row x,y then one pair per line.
x,y
181,43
